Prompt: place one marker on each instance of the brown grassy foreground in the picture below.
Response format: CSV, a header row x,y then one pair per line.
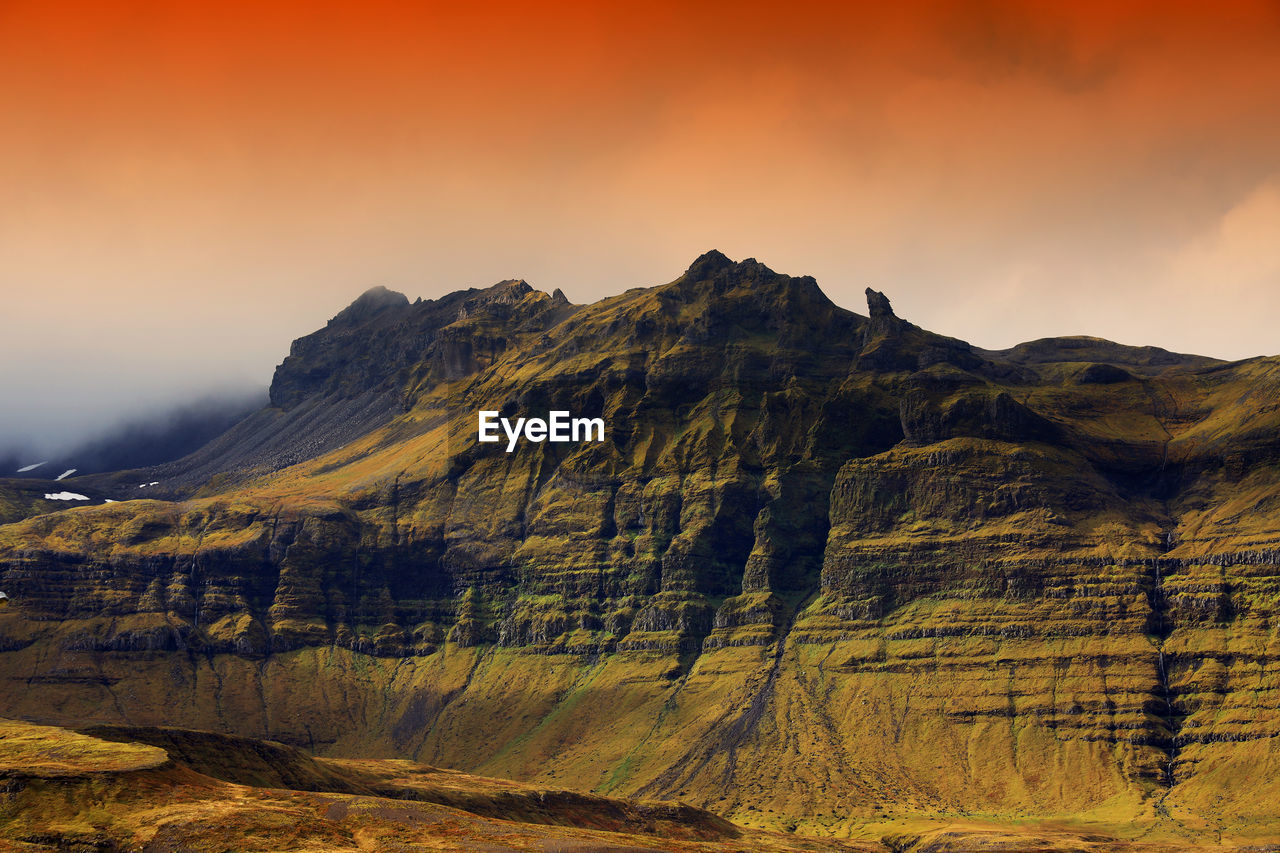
x,y
119,788
159,789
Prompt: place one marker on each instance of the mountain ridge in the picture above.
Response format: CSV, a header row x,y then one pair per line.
x,y
824,567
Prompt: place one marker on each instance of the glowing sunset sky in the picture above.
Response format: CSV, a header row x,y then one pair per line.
x,y
188,186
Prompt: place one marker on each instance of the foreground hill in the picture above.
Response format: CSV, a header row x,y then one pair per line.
x,y
826,570
162,789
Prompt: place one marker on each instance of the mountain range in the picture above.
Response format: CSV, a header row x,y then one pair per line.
x,y
828,573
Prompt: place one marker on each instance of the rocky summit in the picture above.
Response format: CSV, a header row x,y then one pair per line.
x,y
827,573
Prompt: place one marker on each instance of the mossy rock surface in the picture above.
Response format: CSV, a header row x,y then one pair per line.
x,y
826,570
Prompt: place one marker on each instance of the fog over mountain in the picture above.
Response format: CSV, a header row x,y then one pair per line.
x,y
142,439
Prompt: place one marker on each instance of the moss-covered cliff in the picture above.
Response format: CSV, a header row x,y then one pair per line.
x,y
825,571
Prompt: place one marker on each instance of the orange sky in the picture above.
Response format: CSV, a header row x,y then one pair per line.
x,y
188,186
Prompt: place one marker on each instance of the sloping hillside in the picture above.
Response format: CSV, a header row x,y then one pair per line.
x,y
826,571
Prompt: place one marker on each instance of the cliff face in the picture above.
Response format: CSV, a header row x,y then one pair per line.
x,y
824,567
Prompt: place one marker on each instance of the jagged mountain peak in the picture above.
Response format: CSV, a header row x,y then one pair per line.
x,y
373,301
878,304
708,264
508,289
720,285
714,265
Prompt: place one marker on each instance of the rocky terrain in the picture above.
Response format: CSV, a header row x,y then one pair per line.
x,y
164,789
828,573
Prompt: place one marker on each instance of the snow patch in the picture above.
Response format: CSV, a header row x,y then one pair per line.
x,y
24,469
66,473
65,496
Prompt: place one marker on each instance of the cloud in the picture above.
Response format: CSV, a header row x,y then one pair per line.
x,y
193,189
997,40
1234,263
1238,255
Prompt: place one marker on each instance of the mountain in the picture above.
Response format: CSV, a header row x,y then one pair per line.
x,y
826,572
